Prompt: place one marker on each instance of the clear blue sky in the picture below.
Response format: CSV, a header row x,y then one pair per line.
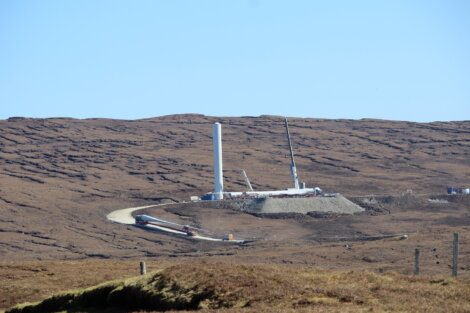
x,y
395,59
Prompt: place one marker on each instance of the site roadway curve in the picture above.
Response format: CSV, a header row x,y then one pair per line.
x,y
124,216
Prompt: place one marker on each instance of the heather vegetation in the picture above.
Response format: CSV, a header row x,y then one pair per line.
x,y
262,288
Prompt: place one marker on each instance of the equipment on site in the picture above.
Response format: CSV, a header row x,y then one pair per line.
x,y
155,224
228,237
143,220
220,194
293,168
247,181
458,191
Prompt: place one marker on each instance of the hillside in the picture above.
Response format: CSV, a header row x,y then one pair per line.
x,y
218,287
59,177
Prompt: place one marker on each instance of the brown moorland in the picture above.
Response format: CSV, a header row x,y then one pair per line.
x,y
60,177
210,287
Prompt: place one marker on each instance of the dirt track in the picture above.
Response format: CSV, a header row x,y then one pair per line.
x,y
124,216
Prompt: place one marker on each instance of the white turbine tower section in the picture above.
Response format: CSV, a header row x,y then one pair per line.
x,y
218,167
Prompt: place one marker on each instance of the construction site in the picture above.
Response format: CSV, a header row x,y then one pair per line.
x,y
245,156
296,200
333,209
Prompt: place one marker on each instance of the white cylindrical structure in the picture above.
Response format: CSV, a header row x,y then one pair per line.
x,y
218,167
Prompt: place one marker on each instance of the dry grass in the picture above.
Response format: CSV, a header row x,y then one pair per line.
x,y
264,288
36,280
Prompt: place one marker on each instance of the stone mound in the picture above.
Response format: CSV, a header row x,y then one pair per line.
x,y
333,204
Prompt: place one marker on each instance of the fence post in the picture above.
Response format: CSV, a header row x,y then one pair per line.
x,y
143,268
416,261
455,255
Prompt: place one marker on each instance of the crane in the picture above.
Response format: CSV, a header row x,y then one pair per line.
x,y
293,168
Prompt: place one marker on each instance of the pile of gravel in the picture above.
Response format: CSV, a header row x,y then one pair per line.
x,y
333,204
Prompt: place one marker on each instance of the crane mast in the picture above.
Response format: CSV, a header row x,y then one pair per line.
x,y
293,168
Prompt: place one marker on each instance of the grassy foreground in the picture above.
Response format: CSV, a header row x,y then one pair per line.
x,y
262,288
